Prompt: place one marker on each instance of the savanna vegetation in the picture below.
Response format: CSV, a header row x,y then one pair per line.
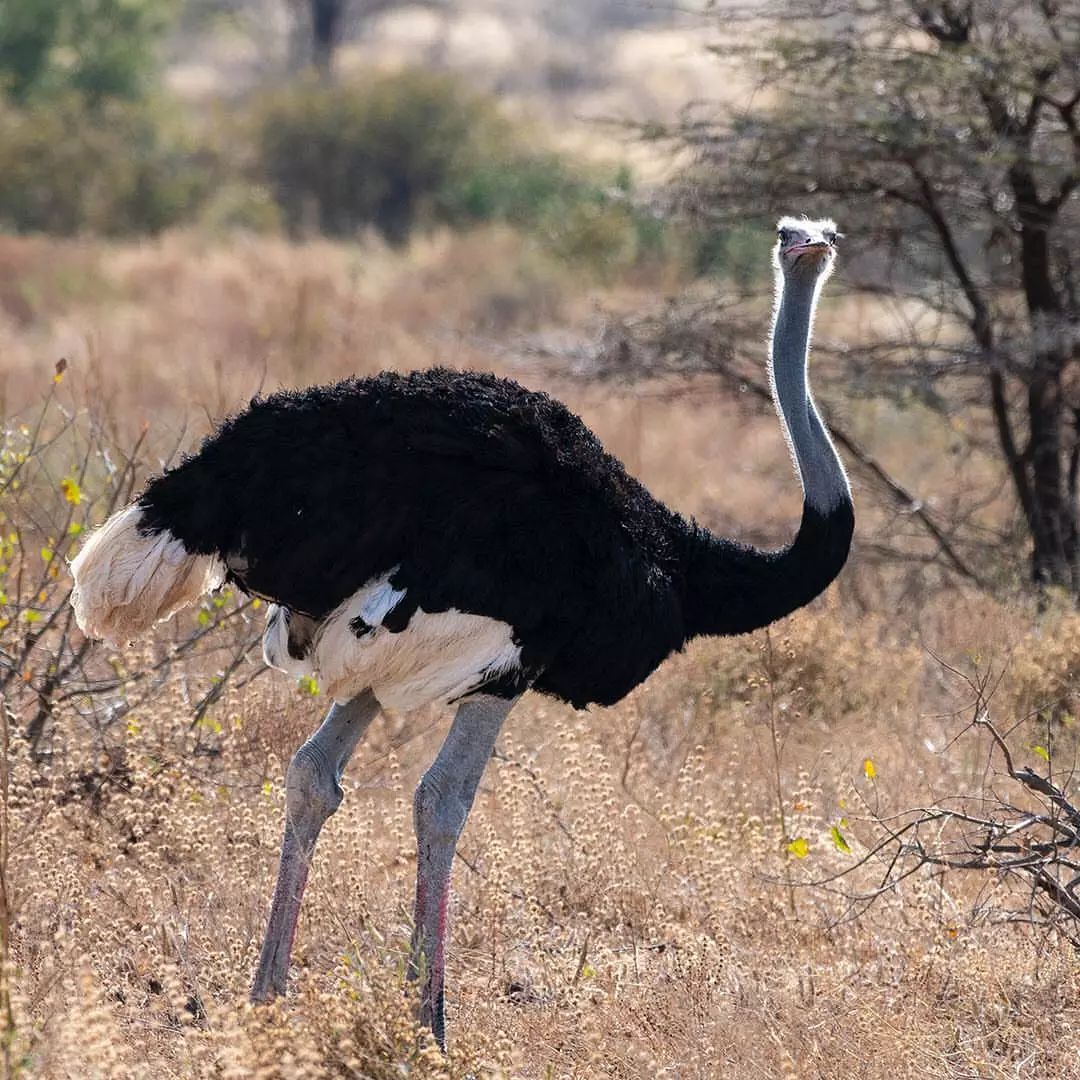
x,y
843,847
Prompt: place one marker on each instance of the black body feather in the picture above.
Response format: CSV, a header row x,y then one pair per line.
x,y
487,498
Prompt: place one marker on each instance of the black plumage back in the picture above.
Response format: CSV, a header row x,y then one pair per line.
x,y
485,497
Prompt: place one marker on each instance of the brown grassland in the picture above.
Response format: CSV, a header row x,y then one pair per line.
x,y
629,897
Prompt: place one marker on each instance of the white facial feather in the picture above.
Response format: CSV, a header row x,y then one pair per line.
x,y
819,225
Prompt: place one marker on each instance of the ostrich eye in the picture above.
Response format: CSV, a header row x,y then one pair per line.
x,y
830,236
783,235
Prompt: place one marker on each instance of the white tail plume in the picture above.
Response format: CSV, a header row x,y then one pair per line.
x,y
125,580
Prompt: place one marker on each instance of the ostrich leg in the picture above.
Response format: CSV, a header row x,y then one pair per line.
x,y
442,802
312,794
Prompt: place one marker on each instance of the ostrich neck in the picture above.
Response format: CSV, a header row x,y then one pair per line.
x,y
823,481
731,588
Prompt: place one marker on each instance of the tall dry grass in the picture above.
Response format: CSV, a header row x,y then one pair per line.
x,y
628,901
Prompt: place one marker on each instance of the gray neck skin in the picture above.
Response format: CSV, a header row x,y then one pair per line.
x,y
823,481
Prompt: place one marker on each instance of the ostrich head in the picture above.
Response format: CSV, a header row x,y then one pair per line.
x,y
805,249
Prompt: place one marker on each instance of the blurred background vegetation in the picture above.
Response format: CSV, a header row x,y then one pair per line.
x,y
95,138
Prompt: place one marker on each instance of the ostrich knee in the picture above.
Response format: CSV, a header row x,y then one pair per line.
x,y
439,812
312,792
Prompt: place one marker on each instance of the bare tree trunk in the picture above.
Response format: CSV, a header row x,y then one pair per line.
x,y
1051,562
326,21
1054,526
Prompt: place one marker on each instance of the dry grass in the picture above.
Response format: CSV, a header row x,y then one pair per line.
x,y
622,905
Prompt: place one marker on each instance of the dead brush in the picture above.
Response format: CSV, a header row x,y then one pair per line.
x,y
60,474
1044,673
1017,832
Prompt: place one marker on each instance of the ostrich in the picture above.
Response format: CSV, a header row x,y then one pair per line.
x,y
452,537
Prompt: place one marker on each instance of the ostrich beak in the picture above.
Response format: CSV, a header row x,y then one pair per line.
x,y
817,247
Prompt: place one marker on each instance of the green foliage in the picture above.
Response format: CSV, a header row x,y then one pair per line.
x,y
408,149
120,167
28,31
579,219
389,152
838,839
80,147
735,252
596,234
510,186
99,49
376,152
240,205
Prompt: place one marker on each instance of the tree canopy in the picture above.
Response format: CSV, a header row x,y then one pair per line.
x,y
946,136
98,48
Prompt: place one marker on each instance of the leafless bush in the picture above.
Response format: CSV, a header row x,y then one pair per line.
x,y
60,475
1018,828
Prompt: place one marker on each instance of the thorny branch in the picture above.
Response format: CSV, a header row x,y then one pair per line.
x,y
1023,828
45,663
